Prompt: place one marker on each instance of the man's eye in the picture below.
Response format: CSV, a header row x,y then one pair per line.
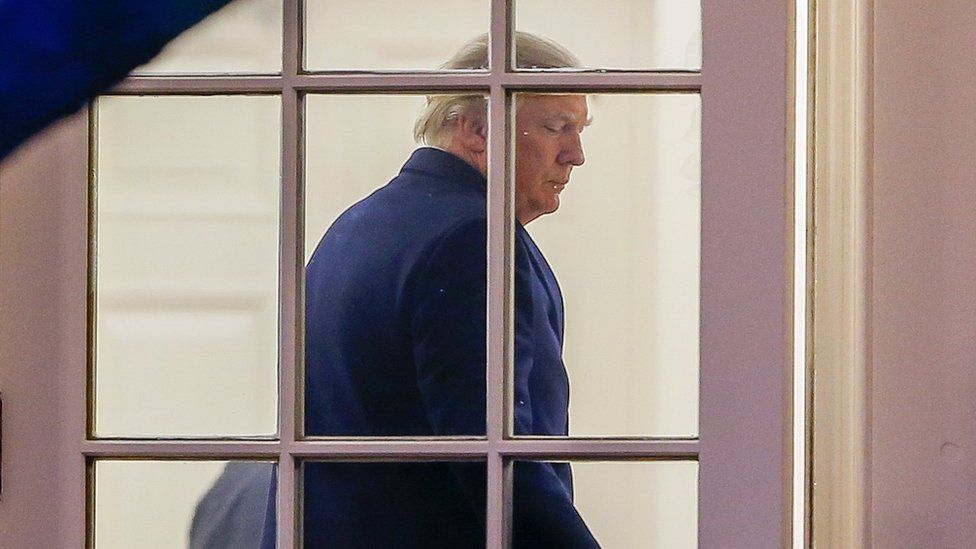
x,y
554,129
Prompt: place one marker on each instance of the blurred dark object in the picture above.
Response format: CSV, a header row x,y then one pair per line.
x,y
231,514
55,55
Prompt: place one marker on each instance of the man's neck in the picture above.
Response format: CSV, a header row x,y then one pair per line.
x,y
477,160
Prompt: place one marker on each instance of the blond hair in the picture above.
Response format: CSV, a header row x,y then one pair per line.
x,y
437,122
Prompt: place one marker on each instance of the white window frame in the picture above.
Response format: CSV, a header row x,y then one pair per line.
x,y
745,436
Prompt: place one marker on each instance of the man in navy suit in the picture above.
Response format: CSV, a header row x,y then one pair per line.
x,y
395,331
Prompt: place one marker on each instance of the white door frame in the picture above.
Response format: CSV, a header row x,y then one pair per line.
x,y
744,447
840,361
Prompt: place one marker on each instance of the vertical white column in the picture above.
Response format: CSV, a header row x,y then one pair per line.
x,y
500,282
290,279
801,265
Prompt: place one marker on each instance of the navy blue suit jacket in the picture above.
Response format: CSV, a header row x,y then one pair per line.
x,y
395,345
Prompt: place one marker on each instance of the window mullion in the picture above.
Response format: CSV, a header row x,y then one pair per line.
x,y
500,280
290,279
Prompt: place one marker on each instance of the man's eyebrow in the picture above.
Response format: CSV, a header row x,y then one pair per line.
x,y
571,118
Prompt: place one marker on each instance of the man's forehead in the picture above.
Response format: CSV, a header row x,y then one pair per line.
x,y
567,107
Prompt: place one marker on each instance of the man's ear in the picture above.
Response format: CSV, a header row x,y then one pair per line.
x,y
472,132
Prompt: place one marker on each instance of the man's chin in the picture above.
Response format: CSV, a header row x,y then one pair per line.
x,y
545,208
554,205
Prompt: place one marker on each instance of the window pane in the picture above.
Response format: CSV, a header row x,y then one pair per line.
x,y
395,286
619,34
382,35
621,504
186,266
243,37
623,240
420,504
167,504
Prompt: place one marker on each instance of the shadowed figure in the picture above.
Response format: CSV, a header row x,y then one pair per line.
x,y
231,514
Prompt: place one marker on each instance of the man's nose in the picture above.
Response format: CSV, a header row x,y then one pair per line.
x,y
572,152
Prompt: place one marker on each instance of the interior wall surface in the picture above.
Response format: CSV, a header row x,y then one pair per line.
x,y
38,333
923,289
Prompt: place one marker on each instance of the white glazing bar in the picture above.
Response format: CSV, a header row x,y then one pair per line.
x,y
499,288
290,284
190,449
366,81
77,275
197,85
801,327
600,448
500,280
346,450
392,82
603,81
369,448
399,449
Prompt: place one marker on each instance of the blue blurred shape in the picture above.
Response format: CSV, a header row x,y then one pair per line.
x,y
55,55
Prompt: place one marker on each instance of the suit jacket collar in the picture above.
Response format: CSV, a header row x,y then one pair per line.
x,y
433,162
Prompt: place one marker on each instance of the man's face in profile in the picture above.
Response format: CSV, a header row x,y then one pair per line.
x,y
547,147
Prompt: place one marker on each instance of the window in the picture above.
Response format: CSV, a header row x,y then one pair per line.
x,y
675,246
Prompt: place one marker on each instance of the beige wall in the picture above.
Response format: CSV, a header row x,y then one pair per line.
x,y
39,456
923,290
